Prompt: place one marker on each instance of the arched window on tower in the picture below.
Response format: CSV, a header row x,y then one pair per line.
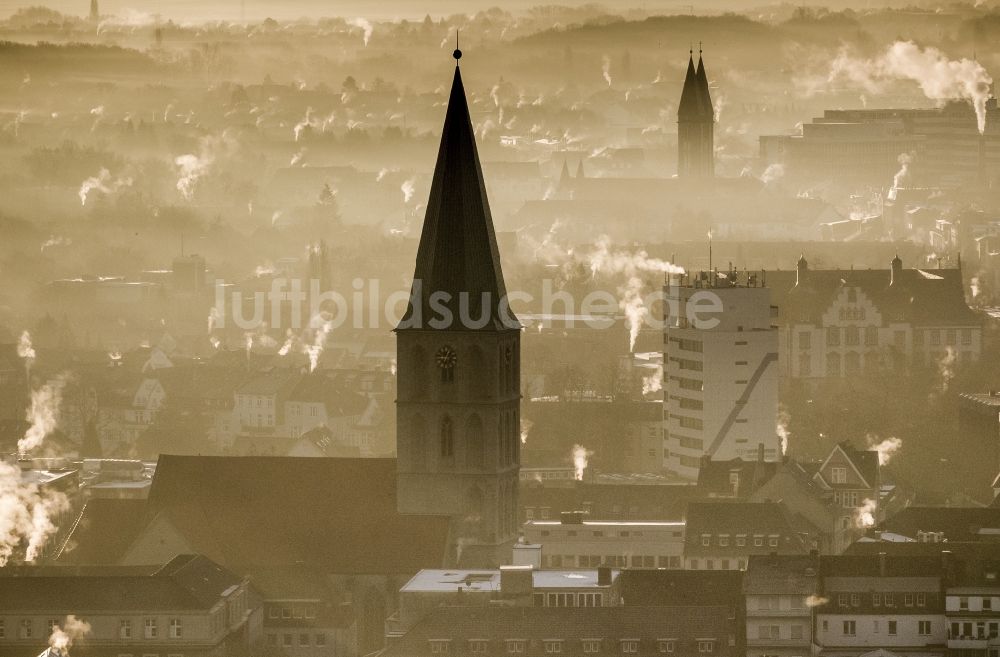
x,y
479,380
447,439
418,451
475,452
508,368
417,372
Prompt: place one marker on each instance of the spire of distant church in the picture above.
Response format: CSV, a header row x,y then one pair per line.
x,y
458,249
701,80
689,106
94,13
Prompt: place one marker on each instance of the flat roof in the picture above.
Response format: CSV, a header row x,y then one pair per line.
x,y
444,581
610,523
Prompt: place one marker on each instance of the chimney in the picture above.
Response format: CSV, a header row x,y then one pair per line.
x,y
947,567
525,554
517,581
881,564
604,575
760,452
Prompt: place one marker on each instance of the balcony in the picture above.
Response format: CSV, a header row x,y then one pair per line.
x,y
967,643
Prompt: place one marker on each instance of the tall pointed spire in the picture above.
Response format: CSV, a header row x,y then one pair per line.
x,y
695,123
689,107
458,254
704,96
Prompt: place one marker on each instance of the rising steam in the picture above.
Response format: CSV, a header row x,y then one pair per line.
x,y
365,26
939,78
886,448
103,183
66,634
43,414
580,457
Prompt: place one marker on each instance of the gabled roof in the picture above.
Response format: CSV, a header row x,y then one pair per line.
x,y
957,523
714,476
103,531
747,518
874,565
774,574
188,582
458,248
338,515
864,462
676,588
933,297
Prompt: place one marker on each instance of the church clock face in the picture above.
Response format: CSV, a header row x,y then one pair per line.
x,y
446,357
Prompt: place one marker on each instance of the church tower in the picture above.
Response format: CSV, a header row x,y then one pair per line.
x,y
458,356
695,124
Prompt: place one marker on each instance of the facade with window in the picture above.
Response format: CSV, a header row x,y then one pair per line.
x,y
190,607
852,479
836,323
618,544
723,535
779,591
720,373
463,631
868,602
509,585
972,609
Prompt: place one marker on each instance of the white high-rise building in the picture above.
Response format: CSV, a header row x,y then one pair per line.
x,y
720,372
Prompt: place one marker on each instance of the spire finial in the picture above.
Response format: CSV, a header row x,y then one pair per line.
x,y
458,53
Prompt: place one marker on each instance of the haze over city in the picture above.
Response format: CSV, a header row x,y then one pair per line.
x,y
456,330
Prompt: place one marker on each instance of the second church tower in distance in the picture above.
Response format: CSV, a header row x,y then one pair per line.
x,y
458,354
695,124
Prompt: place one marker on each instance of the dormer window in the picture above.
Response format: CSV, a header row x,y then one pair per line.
x,y
630,646
478,646
591,646
553,646
666,645
706,646
515,646
440,646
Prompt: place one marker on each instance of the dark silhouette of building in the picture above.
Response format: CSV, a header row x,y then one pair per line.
x,y
95,14
458,349
695,124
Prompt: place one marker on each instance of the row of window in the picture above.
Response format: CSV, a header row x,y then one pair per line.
x,y
569,599
724,564
773,632
556,646
850,627
740,540
614,561
970,630
986,604
290,639
882,599
279,611
852,336
688,344
26,628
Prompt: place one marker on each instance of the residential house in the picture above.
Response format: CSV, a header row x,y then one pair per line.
x,y
191,606
780,591
722,535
